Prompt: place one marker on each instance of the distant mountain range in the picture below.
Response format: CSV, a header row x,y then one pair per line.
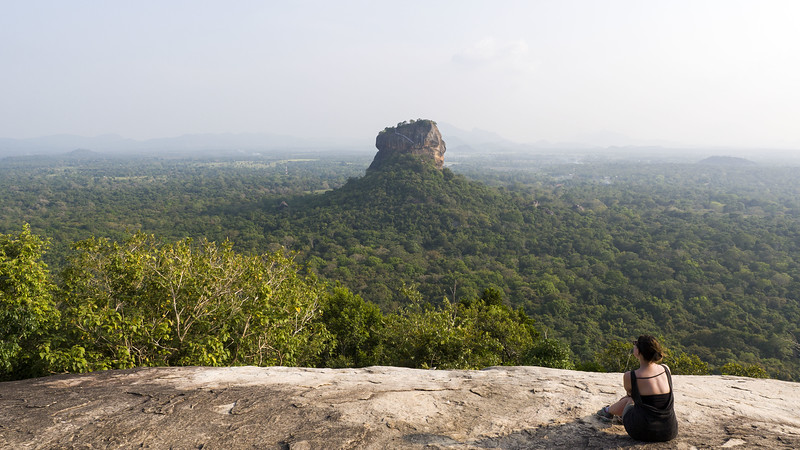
x,y
465,141
191,143
459,142
727,161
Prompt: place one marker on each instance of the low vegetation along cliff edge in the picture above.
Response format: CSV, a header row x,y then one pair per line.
x,y
377,407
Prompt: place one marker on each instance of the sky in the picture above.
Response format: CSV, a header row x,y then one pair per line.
x,y
721,73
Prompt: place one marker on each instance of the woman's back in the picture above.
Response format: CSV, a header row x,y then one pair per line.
x,y
649,420
652,380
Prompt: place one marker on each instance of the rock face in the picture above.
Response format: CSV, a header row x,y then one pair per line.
x,y
377,407
420,138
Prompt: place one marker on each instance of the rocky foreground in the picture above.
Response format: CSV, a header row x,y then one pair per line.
x,y
377,407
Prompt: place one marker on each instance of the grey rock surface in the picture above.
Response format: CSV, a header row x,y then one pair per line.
x,y
377,407
419,138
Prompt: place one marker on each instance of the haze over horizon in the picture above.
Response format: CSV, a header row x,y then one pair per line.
x,y
714,73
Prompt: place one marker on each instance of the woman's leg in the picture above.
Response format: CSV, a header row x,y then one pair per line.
x,y
617,408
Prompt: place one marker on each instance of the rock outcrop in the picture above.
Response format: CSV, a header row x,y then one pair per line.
x,y
420,139
377,407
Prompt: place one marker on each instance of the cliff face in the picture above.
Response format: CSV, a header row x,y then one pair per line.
x,y
420,139
377,407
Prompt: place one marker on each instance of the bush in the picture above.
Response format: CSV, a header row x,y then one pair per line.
x,y
27,312
357,330
747,370
617,356
145,303
550,353
685,364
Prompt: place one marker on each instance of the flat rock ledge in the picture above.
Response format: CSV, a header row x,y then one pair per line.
x,y
377,407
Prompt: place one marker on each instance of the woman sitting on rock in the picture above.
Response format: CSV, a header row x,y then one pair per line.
x,y
647,411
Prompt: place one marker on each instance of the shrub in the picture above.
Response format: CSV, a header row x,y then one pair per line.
x,y
27,312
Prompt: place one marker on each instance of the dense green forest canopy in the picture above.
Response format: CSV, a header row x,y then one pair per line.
x,y
145,302
596,251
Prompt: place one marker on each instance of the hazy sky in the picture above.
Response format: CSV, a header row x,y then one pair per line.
x,y
696,72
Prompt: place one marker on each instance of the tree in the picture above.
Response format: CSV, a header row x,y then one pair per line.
x,y
617,356
145,303
470,334
746,370
550,353
509,334
681,363
357,330
425,337
27,311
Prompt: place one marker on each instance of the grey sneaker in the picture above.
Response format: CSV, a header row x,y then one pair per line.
x,y
604,415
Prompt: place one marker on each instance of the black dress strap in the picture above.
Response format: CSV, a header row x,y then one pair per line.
x,y
669,376
635,388
656,375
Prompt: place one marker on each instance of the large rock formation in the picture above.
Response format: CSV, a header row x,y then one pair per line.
x,y
377,407
420,139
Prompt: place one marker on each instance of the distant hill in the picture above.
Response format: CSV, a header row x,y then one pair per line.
x,y
727,161
575,258
186,144
414,213
415,210
475,140
593,253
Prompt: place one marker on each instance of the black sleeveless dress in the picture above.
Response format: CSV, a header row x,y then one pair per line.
x,y
645,422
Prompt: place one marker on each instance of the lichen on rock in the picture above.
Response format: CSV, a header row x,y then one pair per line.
x,y
419,139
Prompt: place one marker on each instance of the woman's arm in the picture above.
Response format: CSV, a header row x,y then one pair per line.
x,y
626,381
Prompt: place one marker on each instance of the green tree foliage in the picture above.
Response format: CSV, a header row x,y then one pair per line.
x,y
145,303
681,363
512,331
743,370
27,310
617,356
706,255
426,337
357,329
550,353
468,335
